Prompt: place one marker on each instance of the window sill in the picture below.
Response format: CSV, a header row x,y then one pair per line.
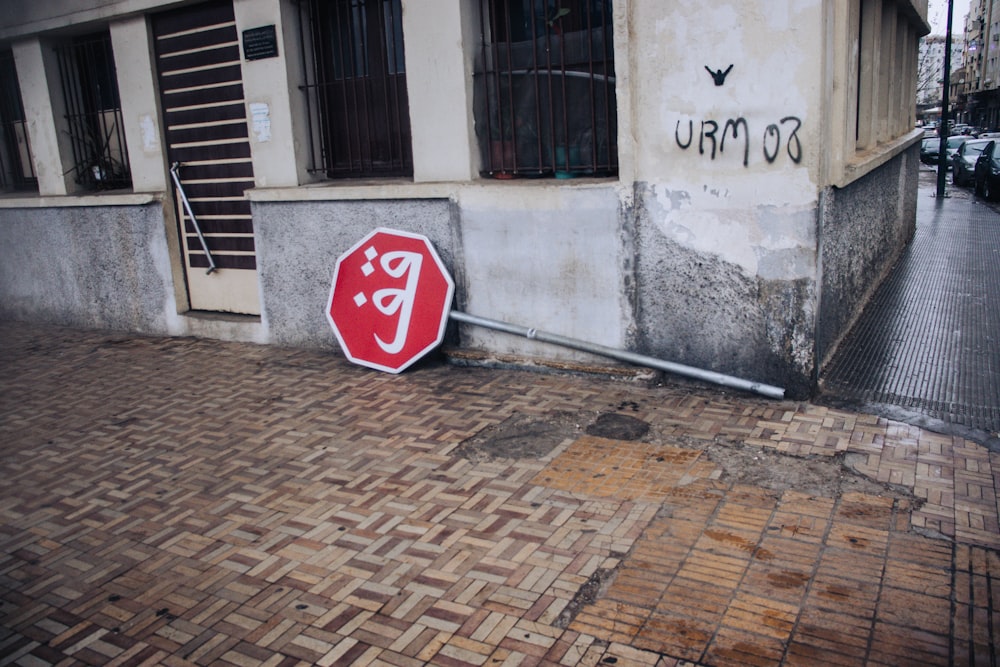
x,y
21,200
353,190
867,161
389,189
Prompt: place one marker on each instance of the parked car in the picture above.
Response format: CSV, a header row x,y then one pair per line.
x,y
987,173
963,163
952,146
930,150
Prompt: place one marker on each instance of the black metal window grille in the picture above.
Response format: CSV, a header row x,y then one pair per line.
x,y
545,89
93,112
17,167
355,86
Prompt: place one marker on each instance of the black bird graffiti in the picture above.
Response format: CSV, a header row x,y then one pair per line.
x,y
718,75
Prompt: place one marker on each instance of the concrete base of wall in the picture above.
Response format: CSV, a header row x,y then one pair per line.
x,y
864,229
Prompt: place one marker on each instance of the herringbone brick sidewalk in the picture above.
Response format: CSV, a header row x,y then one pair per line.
x,y
186,502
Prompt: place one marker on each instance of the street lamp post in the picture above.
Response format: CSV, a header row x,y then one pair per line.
x,y
942,171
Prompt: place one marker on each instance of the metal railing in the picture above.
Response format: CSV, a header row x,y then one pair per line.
x,y
174,174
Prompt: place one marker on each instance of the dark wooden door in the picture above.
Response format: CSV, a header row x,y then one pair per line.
x,y
204,116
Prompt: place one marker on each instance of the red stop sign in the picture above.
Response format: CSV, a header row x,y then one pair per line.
x,y
390,300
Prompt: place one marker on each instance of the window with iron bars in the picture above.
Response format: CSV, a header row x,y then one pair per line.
x,y
17,166
93,112
545,89
355,87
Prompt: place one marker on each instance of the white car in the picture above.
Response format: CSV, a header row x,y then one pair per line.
x,y
954,142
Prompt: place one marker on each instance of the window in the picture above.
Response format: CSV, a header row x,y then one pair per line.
x,y
356,88
886,39
93,112
545,89
17,169
867,83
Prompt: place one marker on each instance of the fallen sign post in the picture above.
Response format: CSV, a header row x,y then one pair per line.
x,y
390,301
622,355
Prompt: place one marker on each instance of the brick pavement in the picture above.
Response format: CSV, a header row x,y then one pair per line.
x,y
186,502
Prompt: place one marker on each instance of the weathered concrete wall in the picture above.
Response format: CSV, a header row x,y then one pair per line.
x,y
555,262
555,259
298,244
699,308
103,267
865,227
728,150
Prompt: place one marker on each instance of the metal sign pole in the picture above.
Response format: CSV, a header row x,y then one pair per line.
x,y
622,355
943,132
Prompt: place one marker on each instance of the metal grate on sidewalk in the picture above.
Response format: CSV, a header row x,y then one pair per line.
x,y
928,340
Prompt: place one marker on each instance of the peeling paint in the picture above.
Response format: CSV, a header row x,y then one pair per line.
x,y
727,288
792,307
770,241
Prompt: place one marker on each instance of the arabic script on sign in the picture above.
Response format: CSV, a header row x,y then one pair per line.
x,y
393,301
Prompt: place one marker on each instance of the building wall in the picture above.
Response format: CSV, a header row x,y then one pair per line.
x,y
728,241
978,101
863,233
298,243
104,267
727,182
99,266
930,82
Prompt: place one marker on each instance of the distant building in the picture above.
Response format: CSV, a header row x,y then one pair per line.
x,y
978,101
720,183
930,75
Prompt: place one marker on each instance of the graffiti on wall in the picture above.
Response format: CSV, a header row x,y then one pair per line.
x,y
777,139
718,76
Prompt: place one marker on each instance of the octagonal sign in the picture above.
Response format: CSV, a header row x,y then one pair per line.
x,y
390,300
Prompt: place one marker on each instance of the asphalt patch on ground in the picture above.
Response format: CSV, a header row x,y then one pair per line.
x,y
615,426
522,436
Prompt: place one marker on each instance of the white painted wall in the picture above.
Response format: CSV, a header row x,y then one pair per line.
x,y
438,69
38,77
140,107
545,257
711,203
267,89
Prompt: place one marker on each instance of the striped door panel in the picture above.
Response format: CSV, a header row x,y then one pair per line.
x,y
198,63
